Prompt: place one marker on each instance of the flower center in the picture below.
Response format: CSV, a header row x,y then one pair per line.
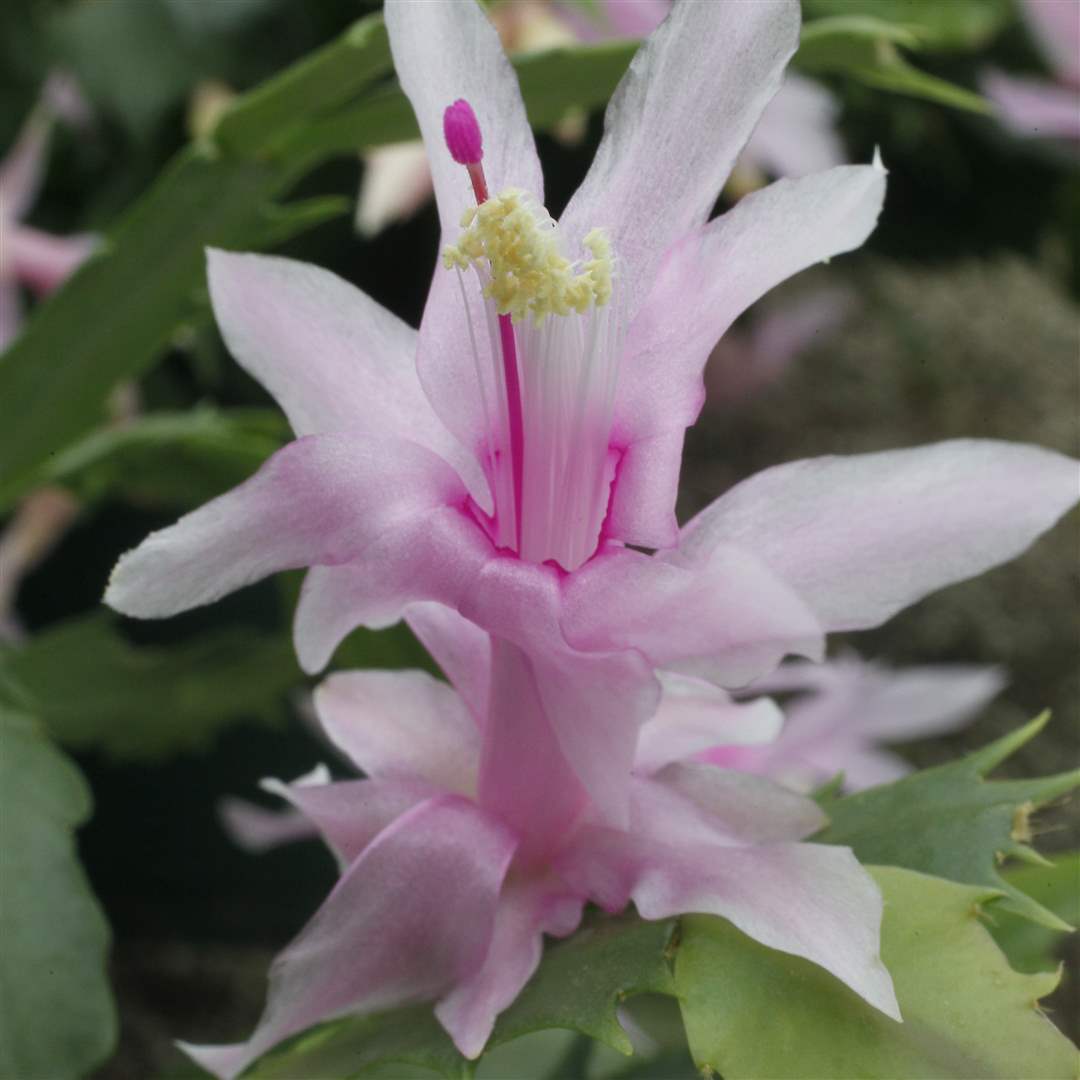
x,y
550,362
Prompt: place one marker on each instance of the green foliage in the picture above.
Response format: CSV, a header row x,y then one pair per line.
x,y
950,822
56,1010
93,690
752,1012
865,48
957,24
1056,886
578,986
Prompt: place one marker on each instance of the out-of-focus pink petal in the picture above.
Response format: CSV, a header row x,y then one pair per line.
x,y
595,701
1055,25
863,767
1034,108
43,262
525,778
459,647
528,909
701,804
334,359
810,900
410,918
634,18
728,620
22,168
432,557
401,724
323,499
675,126
447,51
695,715
797,133
861,537
256,829
395,184
63,97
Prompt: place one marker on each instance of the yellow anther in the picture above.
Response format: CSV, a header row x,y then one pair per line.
x,y
514,240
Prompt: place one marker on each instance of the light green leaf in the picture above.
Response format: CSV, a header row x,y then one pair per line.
x,y
752,1013
865,48
951,822
56,1012
955,24
1056,886
578,987
176,459
94,690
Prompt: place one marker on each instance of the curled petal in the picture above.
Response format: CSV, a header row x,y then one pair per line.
x,y
460,648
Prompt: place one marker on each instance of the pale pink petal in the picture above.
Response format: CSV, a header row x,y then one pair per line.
x,y
694,716
1055,25
11,314
410,918
1034,108
323,499
395,184
333,358
401,725
797,132
23,166
705,282
433,557
729,620
675,126
528,909
525,777
861,537
447,51
810,900
256,829
460,648
64,98
634,18
43,262
698,803
862,767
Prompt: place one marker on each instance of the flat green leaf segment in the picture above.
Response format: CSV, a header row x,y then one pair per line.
x,y
958,24
951,822
752,1013
1031,946
94,690
578,986
56,1010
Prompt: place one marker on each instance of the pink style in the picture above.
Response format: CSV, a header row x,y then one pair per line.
x,y
442,897
419,474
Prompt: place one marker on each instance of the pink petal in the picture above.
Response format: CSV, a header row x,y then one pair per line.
x,y
396,183
411,918
1034,108
810,900
528,909
22,167
675,126
433,557
634,18
861,537
728,620
1055,25
694,716
698,803
256,829
447,51
333,358
44,262
401,724
460,648
321,499
797,132
705,282
349,814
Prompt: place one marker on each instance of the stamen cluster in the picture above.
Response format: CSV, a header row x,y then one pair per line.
x,y
512,239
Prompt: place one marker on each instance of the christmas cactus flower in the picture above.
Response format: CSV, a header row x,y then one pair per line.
x,y
469,842
512,458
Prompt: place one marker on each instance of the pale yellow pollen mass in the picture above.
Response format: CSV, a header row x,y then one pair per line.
x,y
514,240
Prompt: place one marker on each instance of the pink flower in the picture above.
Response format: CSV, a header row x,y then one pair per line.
x,y
28,256
444,897
1034,107
511,469
844,710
